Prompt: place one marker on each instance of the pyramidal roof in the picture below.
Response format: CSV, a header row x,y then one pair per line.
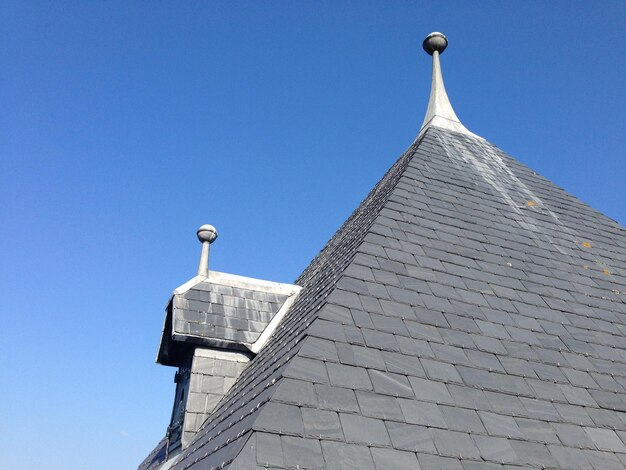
x,y
469,314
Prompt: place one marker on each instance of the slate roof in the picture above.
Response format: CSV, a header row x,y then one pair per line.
x,y
218,311
156,457
469,314
223,310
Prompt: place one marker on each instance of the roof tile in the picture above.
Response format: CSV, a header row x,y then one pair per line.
x,y
375,405
342,456
336,399
279,417
304,453
429,390
441,371
426,414
461,419
536,430
391,458
454,444
362,430
606,439
388,383
495,449
500,425
410,437
567,457
532,453
269,450
349,377
321,424
296,392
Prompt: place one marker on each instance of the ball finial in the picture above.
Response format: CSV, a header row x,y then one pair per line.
x,y
207,233
435,42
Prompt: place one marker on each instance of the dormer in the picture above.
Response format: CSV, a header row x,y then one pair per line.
x,y
214,324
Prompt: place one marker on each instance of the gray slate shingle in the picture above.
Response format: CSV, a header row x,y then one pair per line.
x,y
218,312
483,313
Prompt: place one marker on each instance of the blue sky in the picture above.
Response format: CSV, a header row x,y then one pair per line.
x,y
126,125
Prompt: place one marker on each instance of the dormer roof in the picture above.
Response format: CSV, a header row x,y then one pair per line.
x,y
222,311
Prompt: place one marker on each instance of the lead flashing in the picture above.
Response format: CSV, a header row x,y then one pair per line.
x,y
261,285
440,112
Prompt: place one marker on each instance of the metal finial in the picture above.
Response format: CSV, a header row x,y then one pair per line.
x,y
439,112
435,42
207,234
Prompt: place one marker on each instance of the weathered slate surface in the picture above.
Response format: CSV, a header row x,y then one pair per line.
x,y
470,314
225,313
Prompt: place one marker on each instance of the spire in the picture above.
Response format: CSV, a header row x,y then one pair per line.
x,y
207,235
439,112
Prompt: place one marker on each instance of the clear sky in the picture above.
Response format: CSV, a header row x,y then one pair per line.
x,y
126,125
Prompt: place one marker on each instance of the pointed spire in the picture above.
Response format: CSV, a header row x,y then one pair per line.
x,y
207,234
439,112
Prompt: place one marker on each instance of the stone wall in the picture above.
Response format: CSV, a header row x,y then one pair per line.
x,y
213,372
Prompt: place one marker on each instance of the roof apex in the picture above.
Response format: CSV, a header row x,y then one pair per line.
x,y
439,112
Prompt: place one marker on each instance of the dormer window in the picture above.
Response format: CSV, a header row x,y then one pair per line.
x,y
214,324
